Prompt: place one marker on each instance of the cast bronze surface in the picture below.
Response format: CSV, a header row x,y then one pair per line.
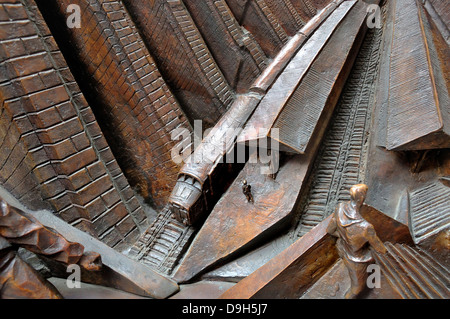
x,y
184,58
268,111
188,206
344,146
307,106
236,51
241,222
356,238
191,202
191,198
418,112
270,207
404,173
292,272
54,154
267,78
162,245
18,279
141,115
119,271
94,119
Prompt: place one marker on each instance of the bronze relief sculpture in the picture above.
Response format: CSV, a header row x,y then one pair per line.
x,y
225,148
356,239
20,280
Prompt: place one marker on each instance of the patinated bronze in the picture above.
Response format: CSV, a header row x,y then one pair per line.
x,y
247,191
356,237
220,148
19,280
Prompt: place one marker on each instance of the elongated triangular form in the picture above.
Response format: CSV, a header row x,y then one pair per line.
x,y
418,116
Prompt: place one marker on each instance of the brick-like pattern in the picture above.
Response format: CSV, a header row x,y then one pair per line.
x,y
304,9
299,20
272,22
320,4
241,36
80,154
269,14
308,8
225,39
183,58
286,14
53,153
137,109
256,17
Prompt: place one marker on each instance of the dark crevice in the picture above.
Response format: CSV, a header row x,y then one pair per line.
x,y
93,93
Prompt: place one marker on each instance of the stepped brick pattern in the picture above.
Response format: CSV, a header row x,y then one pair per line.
x,y
227,43
88,113
54,155
132,101
256,17
183,58
289,18
240,35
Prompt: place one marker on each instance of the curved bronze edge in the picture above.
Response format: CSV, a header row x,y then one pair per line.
x,y
269,75
118,271
315,253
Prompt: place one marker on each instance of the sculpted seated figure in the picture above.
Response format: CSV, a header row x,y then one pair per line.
x,y
355,238
17,278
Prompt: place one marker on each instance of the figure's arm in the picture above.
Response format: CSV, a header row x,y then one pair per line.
x,y
25,231
332,227
375,242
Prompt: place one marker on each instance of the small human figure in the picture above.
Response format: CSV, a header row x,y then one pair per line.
x,y
274,164
355,238
247,190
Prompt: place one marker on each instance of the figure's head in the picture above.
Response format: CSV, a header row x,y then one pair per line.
x,y
244,182
358,194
